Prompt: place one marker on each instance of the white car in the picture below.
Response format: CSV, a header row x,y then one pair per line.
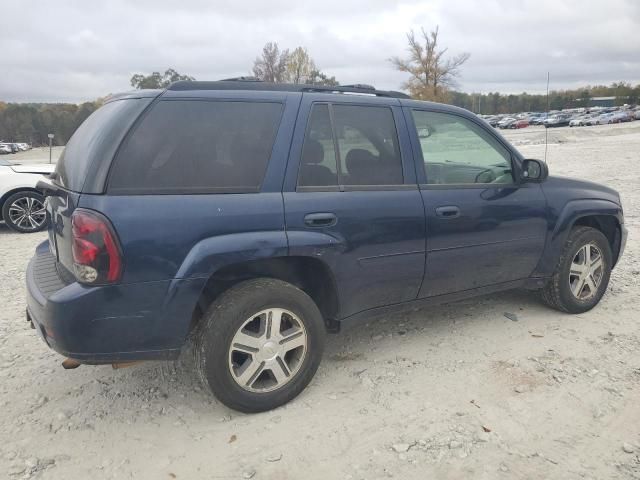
x,y
21,205
578,121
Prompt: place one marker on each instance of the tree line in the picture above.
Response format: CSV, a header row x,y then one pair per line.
x,y
432,75
494,102
32,122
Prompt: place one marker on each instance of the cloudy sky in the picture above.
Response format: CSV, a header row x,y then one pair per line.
x,y
76,50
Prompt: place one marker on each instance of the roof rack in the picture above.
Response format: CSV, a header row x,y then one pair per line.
x,y
253,83
241,79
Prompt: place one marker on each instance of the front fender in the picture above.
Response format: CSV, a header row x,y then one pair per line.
x,y
562,223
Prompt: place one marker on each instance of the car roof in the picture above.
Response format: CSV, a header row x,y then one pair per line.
x,y
254,88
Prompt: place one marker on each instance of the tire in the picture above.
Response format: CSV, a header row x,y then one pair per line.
x,y
23,203
242,314
560,291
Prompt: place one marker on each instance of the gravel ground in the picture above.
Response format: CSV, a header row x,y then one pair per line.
x,y
496,387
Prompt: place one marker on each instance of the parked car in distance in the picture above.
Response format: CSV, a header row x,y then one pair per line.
x,y
603,119
5,149
522,123
254,218
538,120
578,121
13,147
493,121
620,117
557,121
506,122
21,205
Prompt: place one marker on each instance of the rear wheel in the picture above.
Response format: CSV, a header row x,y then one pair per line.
x,y
259,344
24,212
582,273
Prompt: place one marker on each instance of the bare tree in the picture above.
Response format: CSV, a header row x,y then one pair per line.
x,y
300,66
271,66
432,75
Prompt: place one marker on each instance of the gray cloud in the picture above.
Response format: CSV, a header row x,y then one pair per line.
x,y
79,50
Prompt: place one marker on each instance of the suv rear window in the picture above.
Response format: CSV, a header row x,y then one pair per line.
x,y
96,141
190,146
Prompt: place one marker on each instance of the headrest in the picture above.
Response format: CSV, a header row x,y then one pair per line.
x,y
359,159
313,152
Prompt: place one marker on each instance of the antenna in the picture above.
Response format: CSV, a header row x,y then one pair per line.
x,y
546,130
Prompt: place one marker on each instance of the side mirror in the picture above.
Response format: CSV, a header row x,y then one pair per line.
x,y
425,132
534,170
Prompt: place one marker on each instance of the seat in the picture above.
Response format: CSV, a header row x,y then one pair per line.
x,y
367,169
361,165
312,174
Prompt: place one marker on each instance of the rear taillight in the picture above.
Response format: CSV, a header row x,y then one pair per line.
x,y
97,258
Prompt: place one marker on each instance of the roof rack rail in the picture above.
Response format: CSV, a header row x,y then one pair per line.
x,y
242,79
362,86
251,83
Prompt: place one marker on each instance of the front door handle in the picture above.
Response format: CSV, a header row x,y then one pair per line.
x,y
320,219
449,211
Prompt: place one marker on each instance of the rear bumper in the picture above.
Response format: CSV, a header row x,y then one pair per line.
x,y
106,324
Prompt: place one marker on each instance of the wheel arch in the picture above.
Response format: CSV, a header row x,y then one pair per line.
x,y
309,274
604,215
15,190
610,227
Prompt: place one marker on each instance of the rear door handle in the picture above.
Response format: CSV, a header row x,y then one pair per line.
x,y
449,211
320,219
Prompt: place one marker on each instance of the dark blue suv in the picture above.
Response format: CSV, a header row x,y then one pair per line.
x,y
255,217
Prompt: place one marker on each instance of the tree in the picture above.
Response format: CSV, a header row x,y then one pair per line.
x,y
272,65
300,65
432,75
278,66
316,77
157,80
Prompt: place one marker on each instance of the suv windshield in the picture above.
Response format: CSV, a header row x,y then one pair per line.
x,y
95,141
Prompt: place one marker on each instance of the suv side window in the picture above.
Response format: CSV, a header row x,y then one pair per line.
x,y
368,146
318,166
458,152
187,146
366,143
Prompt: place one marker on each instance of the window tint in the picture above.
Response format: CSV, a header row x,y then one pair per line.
x,y
457,151
368,146
96,140
198,146
318,164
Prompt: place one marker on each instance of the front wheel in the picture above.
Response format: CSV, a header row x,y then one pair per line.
x,y
24,212
259,344
582,274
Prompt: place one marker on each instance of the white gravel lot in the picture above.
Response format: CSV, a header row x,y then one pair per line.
x,y
457,391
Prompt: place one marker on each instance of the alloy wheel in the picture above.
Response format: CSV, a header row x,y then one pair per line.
x,y
27,213
586,272
267,350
